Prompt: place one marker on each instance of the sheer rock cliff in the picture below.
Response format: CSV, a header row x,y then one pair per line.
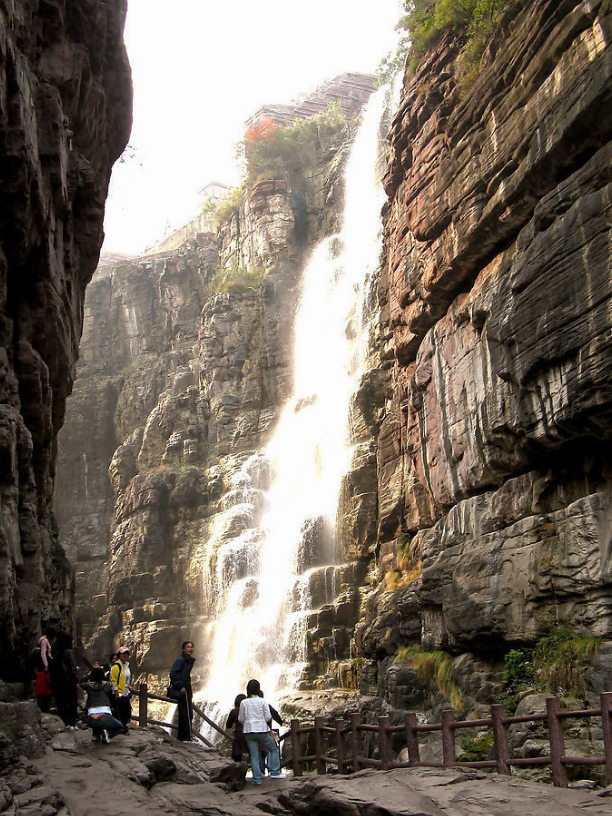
x,y
494,451
185,384
65,115
476,514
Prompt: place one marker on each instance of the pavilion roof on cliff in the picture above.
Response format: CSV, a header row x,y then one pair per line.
x,y
352,91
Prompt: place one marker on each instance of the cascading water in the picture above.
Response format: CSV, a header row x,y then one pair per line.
x,y
278,519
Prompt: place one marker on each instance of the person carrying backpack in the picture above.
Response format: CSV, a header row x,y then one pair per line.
x,y
180,689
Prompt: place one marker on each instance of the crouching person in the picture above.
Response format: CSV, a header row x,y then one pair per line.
x,y
98,707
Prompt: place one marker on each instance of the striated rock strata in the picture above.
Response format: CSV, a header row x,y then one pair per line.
x,y
494,454
65,113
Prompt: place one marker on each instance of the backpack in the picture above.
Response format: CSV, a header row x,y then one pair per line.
x,y
35,662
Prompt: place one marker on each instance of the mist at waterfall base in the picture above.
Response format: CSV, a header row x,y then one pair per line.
x,y
256,585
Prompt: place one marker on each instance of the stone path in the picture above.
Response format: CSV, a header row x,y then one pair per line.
x,y
148,773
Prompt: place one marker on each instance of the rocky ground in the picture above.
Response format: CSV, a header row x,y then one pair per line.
x,y
47,772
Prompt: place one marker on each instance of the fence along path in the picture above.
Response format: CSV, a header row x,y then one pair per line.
x,y
341,745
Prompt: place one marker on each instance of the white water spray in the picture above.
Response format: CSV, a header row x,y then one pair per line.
x,y
279,517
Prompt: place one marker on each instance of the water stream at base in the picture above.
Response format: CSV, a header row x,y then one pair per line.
x,y
276,526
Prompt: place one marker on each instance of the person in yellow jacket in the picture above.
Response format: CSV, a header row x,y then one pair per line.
x,y
120,677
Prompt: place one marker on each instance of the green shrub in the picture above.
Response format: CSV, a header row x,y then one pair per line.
x,y
518,670
476,749
271,151
561,660
226,207
435,668
238,280
425,20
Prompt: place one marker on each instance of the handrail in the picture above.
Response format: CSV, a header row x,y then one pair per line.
x,y
144,695
350,737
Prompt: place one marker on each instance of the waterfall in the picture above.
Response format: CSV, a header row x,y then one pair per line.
x,y
278,519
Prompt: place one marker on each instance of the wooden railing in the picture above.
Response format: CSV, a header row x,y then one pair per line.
x,y
341,745
347,753
143,719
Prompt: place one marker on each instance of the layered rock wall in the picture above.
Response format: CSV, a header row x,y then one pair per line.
x,y
476,513
65,114
187,383
494,451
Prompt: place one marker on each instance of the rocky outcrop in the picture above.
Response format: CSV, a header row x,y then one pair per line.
x,y
494,451
65,113
53,772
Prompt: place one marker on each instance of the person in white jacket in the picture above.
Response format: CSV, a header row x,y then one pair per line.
x,y
255,716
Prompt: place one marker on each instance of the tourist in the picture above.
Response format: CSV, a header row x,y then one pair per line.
x,y
239,746
180,689
256,718
43,689
65,678
120,676
112,658
263,752
98,707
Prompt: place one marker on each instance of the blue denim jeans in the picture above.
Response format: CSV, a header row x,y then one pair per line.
x,y
106,722
256,739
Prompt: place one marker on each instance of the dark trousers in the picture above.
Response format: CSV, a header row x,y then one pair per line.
x,y
184,717
124,711
106,722
66,699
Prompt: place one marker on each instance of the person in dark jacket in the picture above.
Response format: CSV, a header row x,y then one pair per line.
x,y
180,689
65,678
98,707
239,746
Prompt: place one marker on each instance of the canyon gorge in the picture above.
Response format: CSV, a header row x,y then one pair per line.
x,y
472,514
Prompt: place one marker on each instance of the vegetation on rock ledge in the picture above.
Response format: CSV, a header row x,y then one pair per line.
x,y
271,151
425,20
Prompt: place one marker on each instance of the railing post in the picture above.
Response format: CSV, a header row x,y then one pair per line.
x,y
384,743
320,746
296,749
500,739
142,705
340,749
606,724
412,740
356,740
448,739
557,745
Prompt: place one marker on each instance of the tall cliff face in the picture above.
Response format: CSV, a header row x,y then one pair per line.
x,y
476,513
494,453
65,113
184,383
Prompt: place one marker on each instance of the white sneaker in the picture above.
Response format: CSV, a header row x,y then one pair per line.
x,y
71,728
105,737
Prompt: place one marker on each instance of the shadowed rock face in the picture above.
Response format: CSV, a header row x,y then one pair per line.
x,y
65,114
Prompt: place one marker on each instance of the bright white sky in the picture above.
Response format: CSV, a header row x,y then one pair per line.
x,y
200,69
